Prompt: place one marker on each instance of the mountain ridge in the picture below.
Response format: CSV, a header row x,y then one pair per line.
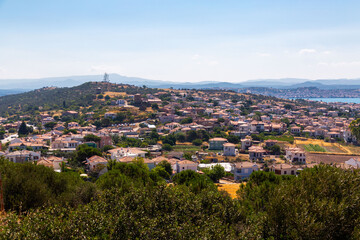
x,y
71,81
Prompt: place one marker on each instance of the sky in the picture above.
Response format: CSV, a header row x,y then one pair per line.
x,y
181,40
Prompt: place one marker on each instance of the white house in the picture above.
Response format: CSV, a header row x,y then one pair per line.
x,y
186,165
229,149
23,156
353,162
295,155
52,162
244,169
246,143
284,169
121,102
256,153
119,153
94,161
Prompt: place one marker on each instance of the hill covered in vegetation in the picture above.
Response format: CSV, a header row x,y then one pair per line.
x,y
53,98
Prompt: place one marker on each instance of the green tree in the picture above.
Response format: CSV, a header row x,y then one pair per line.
x,y
167,147
92,138
169,139
154,135
83,152
180,137
197,142
195,181
154,106
274,149
233,139
186,120
161,172
50,125
355,128
188,155
167,166
107,148
23,130
191,135
215,173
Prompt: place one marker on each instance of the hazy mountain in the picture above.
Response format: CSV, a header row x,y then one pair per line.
x,y
4,92
19,84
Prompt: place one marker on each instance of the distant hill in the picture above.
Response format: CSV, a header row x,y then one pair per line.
x,y
4,92
71,81
57,98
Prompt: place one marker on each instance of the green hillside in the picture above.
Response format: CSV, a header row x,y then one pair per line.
x,y
72,98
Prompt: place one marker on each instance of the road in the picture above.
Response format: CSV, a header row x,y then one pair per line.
x,y
9,138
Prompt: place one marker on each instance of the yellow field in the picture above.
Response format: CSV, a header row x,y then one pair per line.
x,y
149,109
330,147
230,188
115,94
319,142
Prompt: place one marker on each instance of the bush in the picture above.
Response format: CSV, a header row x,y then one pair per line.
x,y
27,186
215,173
197,142
167,147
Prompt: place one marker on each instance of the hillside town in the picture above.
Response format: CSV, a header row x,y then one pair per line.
x,y
190,129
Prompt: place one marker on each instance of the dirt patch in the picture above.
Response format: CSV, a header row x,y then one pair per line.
x,y
327,158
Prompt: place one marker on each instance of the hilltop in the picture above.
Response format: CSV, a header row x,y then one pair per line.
x,y
84,95
48,98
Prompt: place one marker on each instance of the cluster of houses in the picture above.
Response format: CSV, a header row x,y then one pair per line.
x,y
206,111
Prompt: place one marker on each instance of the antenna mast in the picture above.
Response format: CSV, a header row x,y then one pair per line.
x,y
106,78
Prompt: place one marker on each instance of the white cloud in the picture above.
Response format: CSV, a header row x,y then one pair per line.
x,y
326,52
306,51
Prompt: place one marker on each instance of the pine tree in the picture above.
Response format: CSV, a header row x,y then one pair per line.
x,y
23,130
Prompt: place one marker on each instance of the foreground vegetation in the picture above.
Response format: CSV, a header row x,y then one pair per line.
x,y
131,202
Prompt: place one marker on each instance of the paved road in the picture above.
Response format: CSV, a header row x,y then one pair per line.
x,y
9,138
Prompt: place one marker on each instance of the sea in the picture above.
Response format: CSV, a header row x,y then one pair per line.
x,y
328,100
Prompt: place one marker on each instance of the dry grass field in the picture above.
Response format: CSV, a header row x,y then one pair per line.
x,y
351,149
328,146
230,188
115,94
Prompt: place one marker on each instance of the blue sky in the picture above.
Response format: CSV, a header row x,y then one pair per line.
x,y
183,40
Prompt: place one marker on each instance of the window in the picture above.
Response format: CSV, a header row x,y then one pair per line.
x,y
284,172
